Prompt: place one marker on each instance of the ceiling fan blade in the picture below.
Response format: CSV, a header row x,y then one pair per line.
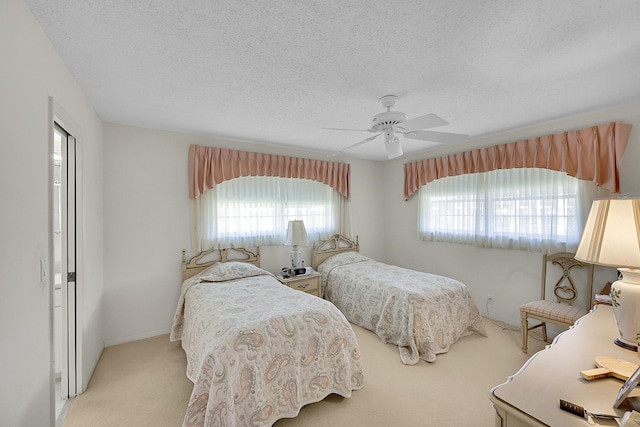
x,y
356,144
423,122
355,130
442,137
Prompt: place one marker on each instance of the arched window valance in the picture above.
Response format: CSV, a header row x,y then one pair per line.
x,y
592,154
209,166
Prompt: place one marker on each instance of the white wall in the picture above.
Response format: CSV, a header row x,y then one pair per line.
x,y
512,277
147,219
31,73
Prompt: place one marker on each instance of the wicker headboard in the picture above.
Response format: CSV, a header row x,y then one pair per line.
x,y
323,249
207,258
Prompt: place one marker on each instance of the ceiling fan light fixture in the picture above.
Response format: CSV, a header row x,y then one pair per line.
x,y
392,146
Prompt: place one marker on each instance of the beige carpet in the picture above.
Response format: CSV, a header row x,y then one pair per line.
x,y
143,383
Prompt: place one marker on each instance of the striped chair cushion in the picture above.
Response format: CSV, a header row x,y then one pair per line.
x,y
554,311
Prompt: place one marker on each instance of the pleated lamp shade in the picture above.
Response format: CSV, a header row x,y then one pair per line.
x,y
612,234
296,234
612,238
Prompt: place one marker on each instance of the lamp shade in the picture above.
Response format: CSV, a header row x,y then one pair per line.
x,y
296,234
612,238
612,234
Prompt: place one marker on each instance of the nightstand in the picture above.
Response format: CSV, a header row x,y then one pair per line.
x,y
309,283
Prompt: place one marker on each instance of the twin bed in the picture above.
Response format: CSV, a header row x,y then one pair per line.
x,y
258,351
423,314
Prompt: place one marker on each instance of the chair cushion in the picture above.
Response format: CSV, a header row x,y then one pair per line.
x,y
554,311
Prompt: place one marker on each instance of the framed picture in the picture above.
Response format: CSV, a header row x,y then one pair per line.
x,y
626,388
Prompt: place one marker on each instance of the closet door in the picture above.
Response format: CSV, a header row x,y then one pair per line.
x,y
65,267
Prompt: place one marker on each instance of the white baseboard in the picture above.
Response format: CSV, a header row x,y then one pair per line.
x,y
116,341
552,330
511,322
87,378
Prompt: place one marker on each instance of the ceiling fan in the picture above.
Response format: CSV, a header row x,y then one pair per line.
x,y
389,123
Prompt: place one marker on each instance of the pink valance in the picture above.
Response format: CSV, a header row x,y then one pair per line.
x,y
209,166
592,154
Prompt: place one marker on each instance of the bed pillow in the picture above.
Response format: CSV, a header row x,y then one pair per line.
x,y
342,259
223,271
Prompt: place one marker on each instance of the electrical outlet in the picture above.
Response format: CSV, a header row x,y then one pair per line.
x,y
490,299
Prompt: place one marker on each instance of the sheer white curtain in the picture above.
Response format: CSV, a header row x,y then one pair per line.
x,y
254,211
530,209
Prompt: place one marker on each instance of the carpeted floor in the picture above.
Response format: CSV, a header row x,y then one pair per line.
x,y
143,383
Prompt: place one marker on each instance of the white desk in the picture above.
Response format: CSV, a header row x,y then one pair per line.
x,y
532,396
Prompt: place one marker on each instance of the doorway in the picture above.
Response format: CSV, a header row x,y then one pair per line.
x,y
64,267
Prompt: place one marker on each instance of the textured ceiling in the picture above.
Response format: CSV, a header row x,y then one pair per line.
x,y
278,71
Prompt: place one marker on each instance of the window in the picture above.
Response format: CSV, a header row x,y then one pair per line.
x,y
252,211
531,209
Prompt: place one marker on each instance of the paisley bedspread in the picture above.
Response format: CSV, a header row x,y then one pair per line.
x,y
258,351
423,314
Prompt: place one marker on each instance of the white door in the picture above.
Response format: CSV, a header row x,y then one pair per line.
x,y
65,206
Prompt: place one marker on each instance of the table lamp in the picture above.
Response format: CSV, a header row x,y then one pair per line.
x,y
296,236
612,238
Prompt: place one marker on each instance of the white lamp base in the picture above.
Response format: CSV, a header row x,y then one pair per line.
x,y
295,257
625,298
